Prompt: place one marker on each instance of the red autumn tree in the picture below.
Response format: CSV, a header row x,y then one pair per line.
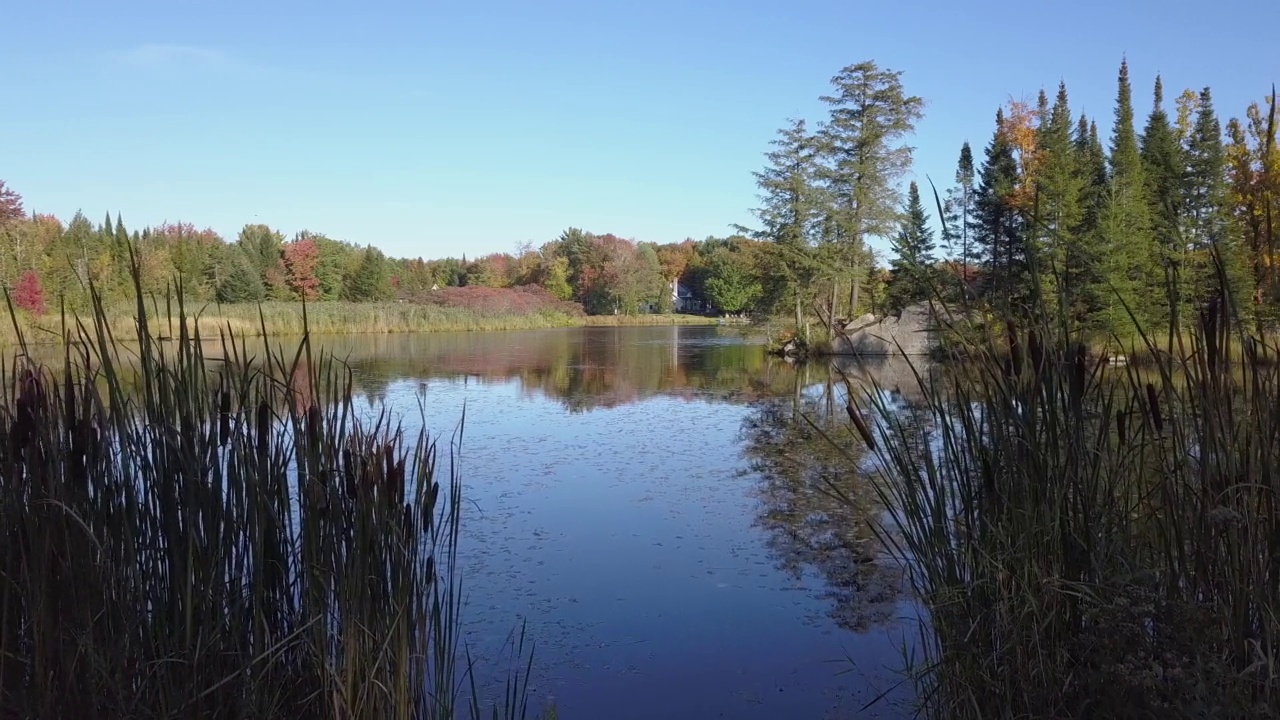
x,y
10,205
300,260
28,294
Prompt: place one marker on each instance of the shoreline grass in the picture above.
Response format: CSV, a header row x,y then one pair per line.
x,y
212,544
1090,540
284,319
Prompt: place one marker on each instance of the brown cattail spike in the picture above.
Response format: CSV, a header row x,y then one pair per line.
x,y
1153,407
861,425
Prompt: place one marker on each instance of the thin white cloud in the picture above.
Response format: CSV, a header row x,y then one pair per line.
x,y
161,55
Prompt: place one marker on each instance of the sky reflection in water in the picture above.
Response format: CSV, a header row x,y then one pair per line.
x,y
647,500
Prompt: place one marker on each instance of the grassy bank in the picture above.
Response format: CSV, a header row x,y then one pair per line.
x,y
334,318
211,544
1090,540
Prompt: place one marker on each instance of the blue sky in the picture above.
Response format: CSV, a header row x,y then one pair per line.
x,y
430,128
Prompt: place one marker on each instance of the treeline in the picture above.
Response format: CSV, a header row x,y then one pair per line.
x,y
44,262
1049,216
1142,228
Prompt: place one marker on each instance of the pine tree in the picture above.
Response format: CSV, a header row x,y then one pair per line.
x,y
914,270
865,152
996,227
790,209
1128,252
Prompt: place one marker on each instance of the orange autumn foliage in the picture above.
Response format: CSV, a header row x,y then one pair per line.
x,y
1020,129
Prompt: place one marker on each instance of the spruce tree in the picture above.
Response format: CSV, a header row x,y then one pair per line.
x,y
959,213
1205,198
1128,254
914,270
368,281
1091,170
1162,163
1060,186
996,227
238,281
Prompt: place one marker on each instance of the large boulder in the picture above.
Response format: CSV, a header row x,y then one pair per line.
x,y
910,333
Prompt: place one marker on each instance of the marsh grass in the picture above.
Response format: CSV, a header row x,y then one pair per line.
x,y
285,319
207,543
1090,540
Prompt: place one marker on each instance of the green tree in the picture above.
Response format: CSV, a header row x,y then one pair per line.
x,y
791,204
1059,213
1162,166
914,269
555,277
238,281
1207,214
368,281
1091,170
1128,251
865,155
959,207
997,225
731,286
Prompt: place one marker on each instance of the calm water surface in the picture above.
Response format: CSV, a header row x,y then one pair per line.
x,y
647,501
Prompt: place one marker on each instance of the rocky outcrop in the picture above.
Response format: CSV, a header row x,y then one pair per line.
x,y
910,333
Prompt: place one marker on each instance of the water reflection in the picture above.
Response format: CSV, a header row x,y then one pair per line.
x,y
816,499
658,507
584,369
654,504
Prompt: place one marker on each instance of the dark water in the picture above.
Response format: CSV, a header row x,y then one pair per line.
x,y
650,502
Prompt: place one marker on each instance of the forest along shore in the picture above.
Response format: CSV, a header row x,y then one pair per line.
x,y
276,319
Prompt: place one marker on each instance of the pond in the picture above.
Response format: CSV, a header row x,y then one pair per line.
x,y
650,501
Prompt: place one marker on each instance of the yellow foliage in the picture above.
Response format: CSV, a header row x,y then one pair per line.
x,y
1021,123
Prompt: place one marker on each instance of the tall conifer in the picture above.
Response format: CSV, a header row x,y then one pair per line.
x,y
1127,250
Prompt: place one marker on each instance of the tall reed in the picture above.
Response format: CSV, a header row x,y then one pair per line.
x,y
220,539
1091,540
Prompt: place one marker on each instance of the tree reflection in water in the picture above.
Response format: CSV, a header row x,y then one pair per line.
x,y
817,503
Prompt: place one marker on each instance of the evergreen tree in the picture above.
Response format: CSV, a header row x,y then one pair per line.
x,y
914,269
1162,164
865,155
996,226
368,281
789,210
237,281
1091,171
1059,187
1207,219
1128,252
959,208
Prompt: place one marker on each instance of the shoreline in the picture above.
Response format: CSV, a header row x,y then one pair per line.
x,y
281,319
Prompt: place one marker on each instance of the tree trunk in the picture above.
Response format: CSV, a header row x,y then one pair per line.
x,y
831,313
854,285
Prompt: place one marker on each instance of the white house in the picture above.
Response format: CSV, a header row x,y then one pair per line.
x,y
683,300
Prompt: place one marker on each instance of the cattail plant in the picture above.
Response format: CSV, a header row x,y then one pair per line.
x,y
185,535
1091,540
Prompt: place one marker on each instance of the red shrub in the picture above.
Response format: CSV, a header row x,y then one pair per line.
x,y
523,300
28,293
